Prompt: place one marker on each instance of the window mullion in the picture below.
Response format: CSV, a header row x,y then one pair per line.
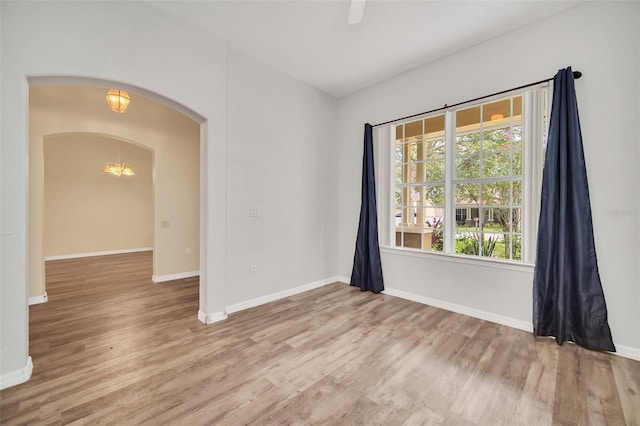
x,y
420,156
449,190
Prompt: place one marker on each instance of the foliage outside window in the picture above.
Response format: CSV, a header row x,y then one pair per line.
x,y
459,181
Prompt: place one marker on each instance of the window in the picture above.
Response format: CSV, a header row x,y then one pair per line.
x,y
467,181
420,167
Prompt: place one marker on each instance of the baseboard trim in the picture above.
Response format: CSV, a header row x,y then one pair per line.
x,y
345,280
96,253
475,313
211,318
279,295
172,277
621,350
36,300
16,377
627,352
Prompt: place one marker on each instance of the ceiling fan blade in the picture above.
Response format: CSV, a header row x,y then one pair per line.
x,y
356,10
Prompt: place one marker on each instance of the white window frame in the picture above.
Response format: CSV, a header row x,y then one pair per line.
x,y
535,110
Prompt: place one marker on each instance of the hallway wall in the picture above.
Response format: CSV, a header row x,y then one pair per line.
x,y
88,211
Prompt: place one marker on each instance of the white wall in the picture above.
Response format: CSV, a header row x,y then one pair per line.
x,y
601,40
281,158
286,157
89,211
150,53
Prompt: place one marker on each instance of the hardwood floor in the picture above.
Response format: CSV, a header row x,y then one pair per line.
x,y
110,347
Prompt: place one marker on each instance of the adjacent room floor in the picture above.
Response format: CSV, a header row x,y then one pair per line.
x,y
112,347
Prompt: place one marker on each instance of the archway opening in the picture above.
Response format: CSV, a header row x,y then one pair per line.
x,y
77,105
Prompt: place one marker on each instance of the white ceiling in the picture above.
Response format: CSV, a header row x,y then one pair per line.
x,y
310,39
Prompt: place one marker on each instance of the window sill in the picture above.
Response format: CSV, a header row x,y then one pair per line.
x,y
457,258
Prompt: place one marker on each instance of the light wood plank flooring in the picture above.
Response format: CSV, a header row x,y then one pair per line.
x,y
110,347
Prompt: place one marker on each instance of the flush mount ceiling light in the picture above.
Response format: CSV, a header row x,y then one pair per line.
x,y
496,117
118,169
118,100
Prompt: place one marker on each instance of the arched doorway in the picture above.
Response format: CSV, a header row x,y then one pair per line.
x,y
204,314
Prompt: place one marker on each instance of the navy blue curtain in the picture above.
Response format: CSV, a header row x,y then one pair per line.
x,y
367,267
568,302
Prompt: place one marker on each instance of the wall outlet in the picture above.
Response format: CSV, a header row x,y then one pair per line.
x,y
254,211
187,250
252,269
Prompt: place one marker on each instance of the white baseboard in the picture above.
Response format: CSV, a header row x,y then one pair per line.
x,y
622,350
475,313
97,253
628,352
279,295
43,298
171,277
345,280
16,377
211,318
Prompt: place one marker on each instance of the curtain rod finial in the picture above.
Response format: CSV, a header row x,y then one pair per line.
x,y
577,74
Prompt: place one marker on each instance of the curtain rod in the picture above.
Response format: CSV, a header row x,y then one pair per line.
x,y
576,75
